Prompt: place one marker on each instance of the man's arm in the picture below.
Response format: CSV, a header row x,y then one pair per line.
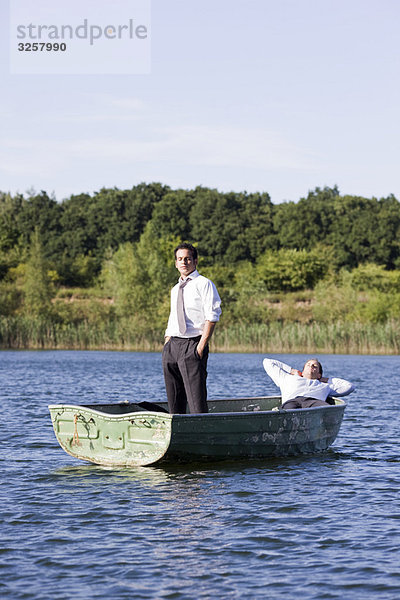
x,y
340,387
277,370
208,330
271,364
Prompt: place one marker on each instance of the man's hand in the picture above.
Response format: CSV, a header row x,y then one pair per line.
x,y
199,350
296,372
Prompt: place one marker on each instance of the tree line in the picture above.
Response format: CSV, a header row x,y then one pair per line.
x,y
228,228
101,266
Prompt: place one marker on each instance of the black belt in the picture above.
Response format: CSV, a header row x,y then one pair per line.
x,y
177,337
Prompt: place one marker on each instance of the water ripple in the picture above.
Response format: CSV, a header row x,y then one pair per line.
x,y
324,526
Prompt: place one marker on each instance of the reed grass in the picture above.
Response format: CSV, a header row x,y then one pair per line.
x,y
292,337
24,332
31,333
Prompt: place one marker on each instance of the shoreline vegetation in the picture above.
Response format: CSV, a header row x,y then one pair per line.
x,y
25,333
321,275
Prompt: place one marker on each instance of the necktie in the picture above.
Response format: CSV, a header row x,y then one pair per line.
x,y
180,308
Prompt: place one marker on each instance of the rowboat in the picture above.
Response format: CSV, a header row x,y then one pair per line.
x,y
129,434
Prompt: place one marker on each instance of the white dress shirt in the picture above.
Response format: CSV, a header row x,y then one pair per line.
x,y
201,303
295,385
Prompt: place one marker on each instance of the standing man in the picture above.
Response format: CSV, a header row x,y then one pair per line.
x,y
195,310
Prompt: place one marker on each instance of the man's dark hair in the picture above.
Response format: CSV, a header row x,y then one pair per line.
x,y
187,246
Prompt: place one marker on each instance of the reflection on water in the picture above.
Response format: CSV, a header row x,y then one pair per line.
x,y
118,476
325,525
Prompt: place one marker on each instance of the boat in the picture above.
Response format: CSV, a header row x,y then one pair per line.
x,y
128,434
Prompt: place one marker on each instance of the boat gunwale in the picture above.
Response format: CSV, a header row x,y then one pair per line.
x,y
243,413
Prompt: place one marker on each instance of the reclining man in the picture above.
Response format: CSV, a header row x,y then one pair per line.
x,y
307,388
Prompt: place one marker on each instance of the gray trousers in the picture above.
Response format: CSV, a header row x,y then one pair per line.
x,y
303,402
185,375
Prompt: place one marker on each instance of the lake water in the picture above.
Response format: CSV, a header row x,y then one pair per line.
x,y
318,527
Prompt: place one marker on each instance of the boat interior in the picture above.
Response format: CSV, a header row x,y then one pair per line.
x,y
223,405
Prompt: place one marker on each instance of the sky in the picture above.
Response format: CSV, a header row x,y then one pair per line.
x,y
276,96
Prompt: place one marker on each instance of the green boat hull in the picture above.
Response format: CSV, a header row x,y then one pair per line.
x,y
129,434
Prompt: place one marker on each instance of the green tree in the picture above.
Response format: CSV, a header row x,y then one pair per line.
x,y
388,233
92,225
354,230
305,224
12,249
37,285
231,227
139,277
359,229
42,213
368,277
366,230
9,232
170,216
291,270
